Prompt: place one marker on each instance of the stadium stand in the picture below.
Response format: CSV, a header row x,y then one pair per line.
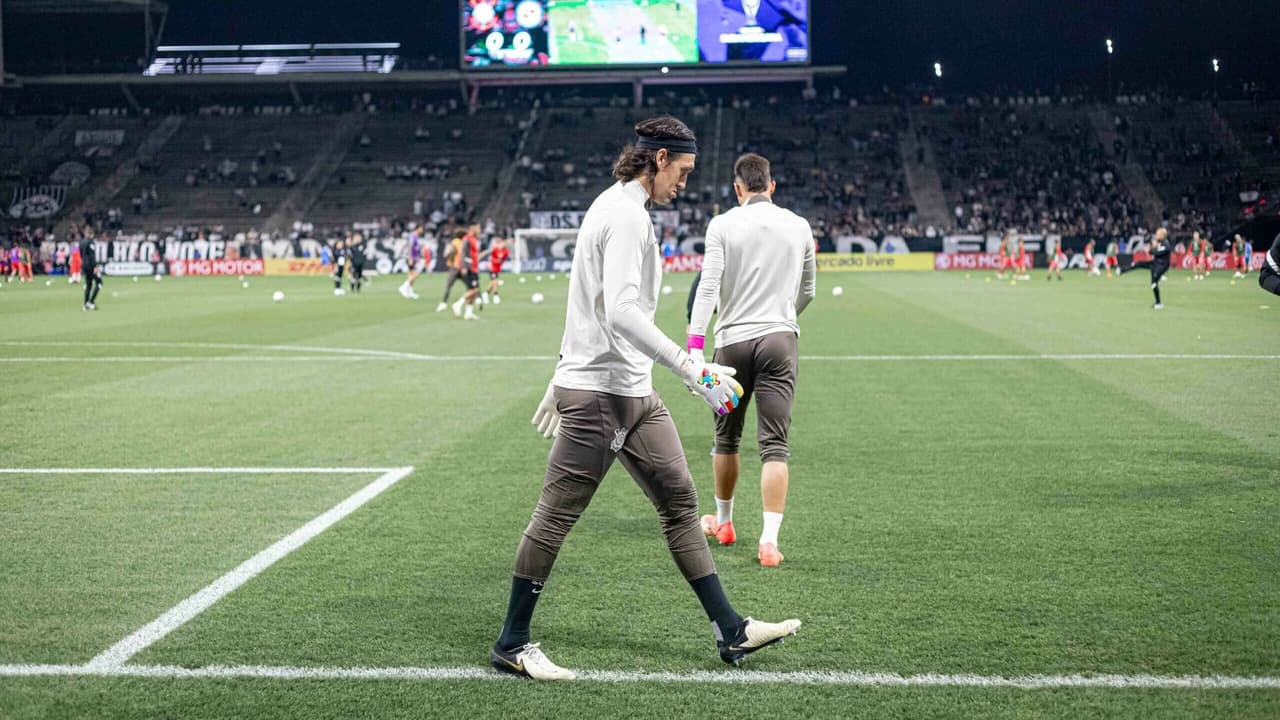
x,y
1031,169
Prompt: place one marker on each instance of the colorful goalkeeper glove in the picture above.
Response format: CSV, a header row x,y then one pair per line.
x,y
547,418
713,383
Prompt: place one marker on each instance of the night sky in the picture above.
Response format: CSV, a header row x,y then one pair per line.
x,y
983,44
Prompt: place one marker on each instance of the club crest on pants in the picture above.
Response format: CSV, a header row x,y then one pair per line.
x,y
619,437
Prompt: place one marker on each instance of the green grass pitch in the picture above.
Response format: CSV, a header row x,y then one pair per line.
x,y
1069,505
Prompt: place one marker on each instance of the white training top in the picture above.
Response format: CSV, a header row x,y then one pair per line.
x,y
610,341
759,266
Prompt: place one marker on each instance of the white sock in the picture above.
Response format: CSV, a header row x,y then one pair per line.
x,y
724,510
772,521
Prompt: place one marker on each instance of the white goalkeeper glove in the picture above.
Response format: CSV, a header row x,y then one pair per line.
x,y
547,418
713,383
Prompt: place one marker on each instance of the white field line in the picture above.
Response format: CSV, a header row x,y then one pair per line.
x,y
116,655
1047,356
743,677
269,358
318,353
200,471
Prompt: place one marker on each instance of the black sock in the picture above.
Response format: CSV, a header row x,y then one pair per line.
x,y
93,298
724,621
524,595
1155,288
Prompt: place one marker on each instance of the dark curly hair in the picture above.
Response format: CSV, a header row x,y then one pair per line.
x,y
633,163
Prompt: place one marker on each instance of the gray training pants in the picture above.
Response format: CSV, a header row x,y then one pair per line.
x,y
595,428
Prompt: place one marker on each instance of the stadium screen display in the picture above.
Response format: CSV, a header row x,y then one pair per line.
x,y
498,34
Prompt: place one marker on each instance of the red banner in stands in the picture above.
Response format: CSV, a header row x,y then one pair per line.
x,y
966,261
179,268
682,263
1217,261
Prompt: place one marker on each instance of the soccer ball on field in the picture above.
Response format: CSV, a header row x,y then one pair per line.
x,y
666,289
537,298
244,284
837,291
277,296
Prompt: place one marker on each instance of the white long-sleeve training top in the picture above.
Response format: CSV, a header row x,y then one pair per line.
x,y
759,268
610,341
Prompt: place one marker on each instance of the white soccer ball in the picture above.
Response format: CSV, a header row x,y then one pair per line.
x,y
552,276
244,284
135,278
538,298
523,281
49,283
666,289
157,277
501,283
538,278
277,296
837,291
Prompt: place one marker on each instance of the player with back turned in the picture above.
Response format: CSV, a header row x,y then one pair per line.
x,y
339,266
1159,263
759,271
92,272
601,405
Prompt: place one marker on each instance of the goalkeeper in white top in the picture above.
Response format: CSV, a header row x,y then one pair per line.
x,y
759,270
601,406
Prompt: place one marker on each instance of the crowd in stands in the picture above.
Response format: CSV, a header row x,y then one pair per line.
x,y
1041,172
1029,162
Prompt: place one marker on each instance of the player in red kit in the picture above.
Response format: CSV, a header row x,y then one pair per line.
x,y
469,272
498,254
1088,258
1006,259
1024,262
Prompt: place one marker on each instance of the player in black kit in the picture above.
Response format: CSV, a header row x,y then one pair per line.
x,y
1159,263
356,251
339,264
92,272
1269,278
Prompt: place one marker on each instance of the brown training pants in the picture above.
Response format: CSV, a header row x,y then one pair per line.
x,y
766,369
595,428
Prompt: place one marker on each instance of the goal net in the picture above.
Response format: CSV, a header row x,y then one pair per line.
x,y
544,250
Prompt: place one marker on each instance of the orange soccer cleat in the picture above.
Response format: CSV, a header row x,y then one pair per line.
x,y
720,531
769,555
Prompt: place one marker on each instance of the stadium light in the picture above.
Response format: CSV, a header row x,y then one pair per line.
x,y
1111,48
937,69
1215,65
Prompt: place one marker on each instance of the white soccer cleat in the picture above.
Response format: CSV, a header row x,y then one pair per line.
x,y
442,307
339,292
1158,306
528,661
754,636
497,299
470,314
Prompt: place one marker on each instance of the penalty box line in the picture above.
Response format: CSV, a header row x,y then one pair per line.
x,y
114,657
730,677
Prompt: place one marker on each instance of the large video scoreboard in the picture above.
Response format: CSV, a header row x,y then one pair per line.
x,y
506,34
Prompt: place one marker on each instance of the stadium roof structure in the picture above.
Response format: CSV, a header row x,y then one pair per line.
x,y
81,7
470,82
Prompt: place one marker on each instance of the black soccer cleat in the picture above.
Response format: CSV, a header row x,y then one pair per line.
x,y
755,635
528,661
